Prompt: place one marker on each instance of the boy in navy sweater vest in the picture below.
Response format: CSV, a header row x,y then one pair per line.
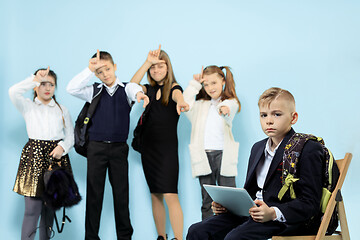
x,y
107,147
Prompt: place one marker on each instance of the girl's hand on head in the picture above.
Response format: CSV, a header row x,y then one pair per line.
x,y
153,56
41,75
182,106
57,152
218,208
94,63
199,77
224,110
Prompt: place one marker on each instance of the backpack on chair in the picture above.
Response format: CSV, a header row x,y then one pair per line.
x,y
330,172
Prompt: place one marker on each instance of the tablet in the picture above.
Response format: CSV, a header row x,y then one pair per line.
x,y
236,200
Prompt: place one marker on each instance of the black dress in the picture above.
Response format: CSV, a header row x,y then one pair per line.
x,y
160,144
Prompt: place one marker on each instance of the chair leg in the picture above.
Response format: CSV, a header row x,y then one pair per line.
x,y
343,223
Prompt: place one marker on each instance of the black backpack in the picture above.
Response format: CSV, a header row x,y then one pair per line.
x,y
82,122
61,191
137,142
330,173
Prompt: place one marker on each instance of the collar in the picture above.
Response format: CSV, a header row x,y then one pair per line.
x,y
215,101
50,104
117,82
267,149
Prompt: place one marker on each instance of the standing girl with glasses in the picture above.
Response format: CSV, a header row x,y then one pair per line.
x,y
51,135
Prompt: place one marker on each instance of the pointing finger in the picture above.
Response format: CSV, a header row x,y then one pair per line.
x,y
202,70
159,50
98,54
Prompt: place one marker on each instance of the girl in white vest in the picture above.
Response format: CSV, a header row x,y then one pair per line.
x,y
214,153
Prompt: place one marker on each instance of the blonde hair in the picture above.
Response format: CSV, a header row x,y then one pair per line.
x,y
229,89
169,79
275,93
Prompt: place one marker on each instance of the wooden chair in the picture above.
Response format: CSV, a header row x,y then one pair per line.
x,y
336,199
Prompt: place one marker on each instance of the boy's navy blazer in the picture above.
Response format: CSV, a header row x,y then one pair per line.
x,y
308,189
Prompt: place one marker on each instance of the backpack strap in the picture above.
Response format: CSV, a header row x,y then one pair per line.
x,y
94,102
291,157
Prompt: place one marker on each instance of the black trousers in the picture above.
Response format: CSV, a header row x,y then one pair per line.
x,y
103,156
230,227
215,159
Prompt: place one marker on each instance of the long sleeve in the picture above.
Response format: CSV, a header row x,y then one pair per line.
x,y
68,142
78,86
189,96
16,93
131,90
233,105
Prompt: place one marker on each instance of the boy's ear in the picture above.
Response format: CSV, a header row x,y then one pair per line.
x,y
295,117
115,66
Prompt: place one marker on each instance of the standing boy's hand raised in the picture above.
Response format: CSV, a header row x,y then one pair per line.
x,y
95,63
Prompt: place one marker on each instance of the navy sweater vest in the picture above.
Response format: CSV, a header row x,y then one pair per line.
x,y
111,119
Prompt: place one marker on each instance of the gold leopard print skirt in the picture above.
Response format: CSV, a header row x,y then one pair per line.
x,y
35,159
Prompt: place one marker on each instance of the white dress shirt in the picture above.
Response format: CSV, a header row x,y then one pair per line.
x,y
214,128
261,173
43,122
78,87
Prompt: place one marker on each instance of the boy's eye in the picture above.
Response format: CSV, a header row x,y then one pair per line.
x,y
277,114
263,115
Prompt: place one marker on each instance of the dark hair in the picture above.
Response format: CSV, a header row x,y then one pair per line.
x,y
229,89
104,56
169,79
51,74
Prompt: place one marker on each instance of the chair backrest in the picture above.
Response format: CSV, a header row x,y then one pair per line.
x,y
343,165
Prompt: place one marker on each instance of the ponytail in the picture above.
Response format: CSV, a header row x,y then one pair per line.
x,y
229,89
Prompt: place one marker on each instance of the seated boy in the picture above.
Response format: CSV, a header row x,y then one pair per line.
x,y
107,149
272,216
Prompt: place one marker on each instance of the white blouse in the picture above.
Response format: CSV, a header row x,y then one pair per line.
x,y
43,122
214,128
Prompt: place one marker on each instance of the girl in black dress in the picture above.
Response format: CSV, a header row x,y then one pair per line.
x,y
160,144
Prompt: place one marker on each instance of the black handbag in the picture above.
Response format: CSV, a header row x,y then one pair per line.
x,y
137,141
60,191
138,132
82,123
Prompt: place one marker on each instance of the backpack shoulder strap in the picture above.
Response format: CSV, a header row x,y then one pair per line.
x,y
94,102
291,156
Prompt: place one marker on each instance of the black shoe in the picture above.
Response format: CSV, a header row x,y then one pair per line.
x,y
161,238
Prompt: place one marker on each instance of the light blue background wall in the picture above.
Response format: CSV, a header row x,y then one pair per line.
x,y
308,47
